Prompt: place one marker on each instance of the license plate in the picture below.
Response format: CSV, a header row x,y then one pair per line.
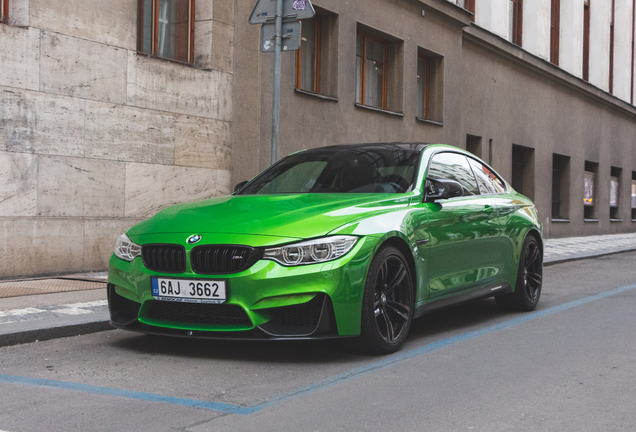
x,y
189,291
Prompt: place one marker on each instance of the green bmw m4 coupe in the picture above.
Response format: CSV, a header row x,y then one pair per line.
x,y
351,241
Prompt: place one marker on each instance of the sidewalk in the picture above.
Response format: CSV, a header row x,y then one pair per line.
x,y
48,308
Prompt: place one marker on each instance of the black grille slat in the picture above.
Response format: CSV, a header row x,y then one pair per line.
x,y
222,259
197,314
164,258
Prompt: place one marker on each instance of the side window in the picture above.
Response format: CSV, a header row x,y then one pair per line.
x,y
453,166
487,180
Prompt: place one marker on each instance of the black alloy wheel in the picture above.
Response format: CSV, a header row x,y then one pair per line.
x,y
529,279
387,308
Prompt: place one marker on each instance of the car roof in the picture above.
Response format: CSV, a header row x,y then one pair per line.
x,y
418,147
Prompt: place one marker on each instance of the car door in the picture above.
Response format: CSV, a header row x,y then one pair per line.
x,y
462,231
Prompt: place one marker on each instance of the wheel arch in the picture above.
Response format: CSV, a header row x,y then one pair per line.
x,y
400,244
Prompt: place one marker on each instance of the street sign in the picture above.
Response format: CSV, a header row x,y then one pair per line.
x,y
290,40
293,10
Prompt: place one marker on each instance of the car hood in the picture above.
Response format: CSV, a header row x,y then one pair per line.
x,y
288,216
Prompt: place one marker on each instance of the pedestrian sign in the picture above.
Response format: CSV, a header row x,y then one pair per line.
x,y
293,10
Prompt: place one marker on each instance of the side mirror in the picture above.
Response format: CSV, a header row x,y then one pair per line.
x,y
240,186
442,189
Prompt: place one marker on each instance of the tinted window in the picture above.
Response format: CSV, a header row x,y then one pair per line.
x,y
377,169
453,166
487,180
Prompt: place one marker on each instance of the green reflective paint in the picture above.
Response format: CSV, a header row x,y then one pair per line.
x,y
456,245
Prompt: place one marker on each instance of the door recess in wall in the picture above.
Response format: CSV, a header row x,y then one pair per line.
x,y
473,145
560,187
523,170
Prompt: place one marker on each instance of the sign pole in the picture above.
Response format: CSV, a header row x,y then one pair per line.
x,y
276,98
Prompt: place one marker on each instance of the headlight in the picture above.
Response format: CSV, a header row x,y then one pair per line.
x,y
125,249
312,251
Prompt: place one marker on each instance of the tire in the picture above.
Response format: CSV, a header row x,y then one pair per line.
x,y
387,303
529,279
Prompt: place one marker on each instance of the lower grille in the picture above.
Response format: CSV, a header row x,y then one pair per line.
x,y
194,313
122,310
164,258
305,315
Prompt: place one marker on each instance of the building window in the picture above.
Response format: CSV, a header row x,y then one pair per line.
x,y
308,57
317,58
371,64
430,86
555,29
516,21
634,196
560,187
589,197
469,5
586,40
523,170
4,11
615,189
166,29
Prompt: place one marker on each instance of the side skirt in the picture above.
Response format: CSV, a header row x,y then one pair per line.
x,y
482,293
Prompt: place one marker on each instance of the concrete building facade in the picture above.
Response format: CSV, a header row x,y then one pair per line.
x,y
98,129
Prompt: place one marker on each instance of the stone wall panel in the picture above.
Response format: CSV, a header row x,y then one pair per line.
x,y
150,188
40,246
224,11
111,22
129,134
203,44
203,143
18,184
80,187
84,69
222,47
161,85
34,122
203,10
20,57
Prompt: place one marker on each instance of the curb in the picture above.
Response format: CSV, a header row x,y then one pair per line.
x,y
30,336
566,260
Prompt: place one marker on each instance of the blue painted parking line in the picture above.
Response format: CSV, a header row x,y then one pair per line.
x,y
328,382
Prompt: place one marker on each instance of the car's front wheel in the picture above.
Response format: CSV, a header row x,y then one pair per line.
x,y
387,305
529,279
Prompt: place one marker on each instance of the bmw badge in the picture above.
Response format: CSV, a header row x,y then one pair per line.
x,y
194,239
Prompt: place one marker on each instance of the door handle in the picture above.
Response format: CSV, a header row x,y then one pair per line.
x,y
488,210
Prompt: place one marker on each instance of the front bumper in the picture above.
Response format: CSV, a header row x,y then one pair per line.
x,y
266,301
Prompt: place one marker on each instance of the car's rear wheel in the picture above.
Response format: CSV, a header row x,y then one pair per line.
x,y
529,279
387,304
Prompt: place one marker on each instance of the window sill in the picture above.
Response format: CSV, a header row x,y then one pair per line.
x,y
316,95
590,220
560,220
633,220
433,122
616,220
179,62
393,113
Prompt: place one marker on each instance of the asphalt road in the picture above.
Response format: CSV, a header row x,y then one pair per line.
x,y
569,366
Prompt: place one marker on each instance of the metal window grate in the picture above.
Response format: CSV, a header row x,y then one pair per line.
x,y
517,168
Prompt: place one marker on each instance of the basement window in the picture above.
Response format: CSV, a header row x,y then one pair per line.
x,y
615,188
165,29
589,190
634,196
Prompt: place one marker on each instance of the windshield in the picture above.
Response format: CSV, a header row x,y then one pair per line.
x,y
373,169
